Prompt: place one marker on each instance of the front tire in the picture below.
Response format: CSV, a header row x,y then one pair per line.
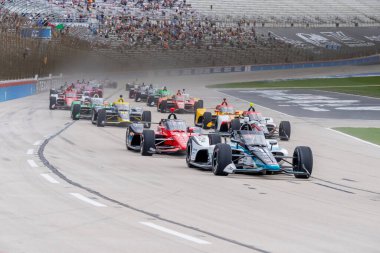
x,y
75,113
101,120
221,157
53,102
147,142
188,154
302,162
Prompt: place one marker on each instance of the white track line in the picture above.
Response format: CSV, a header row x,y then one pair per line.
x,y
85,199
175,233
49,178
37,143
32,163
30,152
353,137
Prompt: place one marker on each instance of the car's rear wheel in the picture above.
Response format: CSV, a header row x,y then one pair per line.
x,y
235,125
207,118
163,106
214,139
147,142
53,102
221,157
302,162
284,130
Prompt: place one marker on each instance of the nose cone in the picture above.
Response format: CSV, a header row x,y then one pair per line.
x,y
180,105
69,101
181,139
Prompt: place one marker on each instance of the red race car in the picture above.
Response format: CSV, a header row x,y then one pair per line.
x,y
63,99
170,137
181,102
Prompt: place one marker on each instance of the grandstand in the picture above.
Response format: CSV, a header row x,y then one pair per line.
x,y
186,33
322,12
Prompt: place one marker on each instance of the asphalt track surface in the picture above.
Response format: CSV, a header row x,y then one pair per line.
x,y
84,192
313,103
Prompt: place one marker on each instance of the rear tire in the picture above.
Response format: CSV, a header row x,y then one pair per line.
x,y
101,120
75,114
207,118
147,118
214,139
53,102
147,142
235,125
221,157
150,101
284,130
303,161
137,96
163,106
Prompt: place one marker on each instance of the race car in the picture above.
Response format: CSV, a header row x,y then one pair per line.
x,y
119,114
141,94
171,136
247,151
181,102
220,120
62,99
82,109
155,95
267,124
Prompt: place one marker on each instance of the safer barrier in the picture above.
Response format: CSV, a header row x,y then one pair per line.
x,y
375,59
17,89
26,87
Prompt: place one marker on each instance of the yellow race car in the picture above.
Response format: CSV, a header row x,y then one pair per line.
x,y
120,113
220,120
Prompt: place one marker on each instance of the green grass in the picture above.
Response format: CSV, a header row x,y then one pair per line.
x,y
367,134
366,86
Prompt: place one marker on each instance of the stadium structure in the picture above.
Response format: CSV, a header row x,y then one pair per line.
x,y
167,34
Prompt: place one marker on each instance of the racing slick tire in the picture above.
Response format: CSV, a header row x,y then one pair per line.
x,y
147,118
221,157
150,101
284,130
207,118
93,117
235,125
137,97
101,119
188,154
126,139
131,94
147,142
198,104
53,102
302,162
163,106
214,139
75,112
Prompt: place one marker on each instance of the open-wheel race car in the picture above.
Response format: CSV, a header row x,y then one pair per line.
x,y
62,99
247,151
171,136
270,129
119,114
181,102
220,120
82,109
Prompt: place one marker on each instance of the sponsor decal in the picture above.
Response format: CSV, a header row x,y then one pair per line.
x,y
318,40
347,40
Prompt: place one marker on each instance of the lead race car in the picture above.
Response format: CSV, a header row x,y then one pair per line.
x,y
247,151
267,124
171,136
